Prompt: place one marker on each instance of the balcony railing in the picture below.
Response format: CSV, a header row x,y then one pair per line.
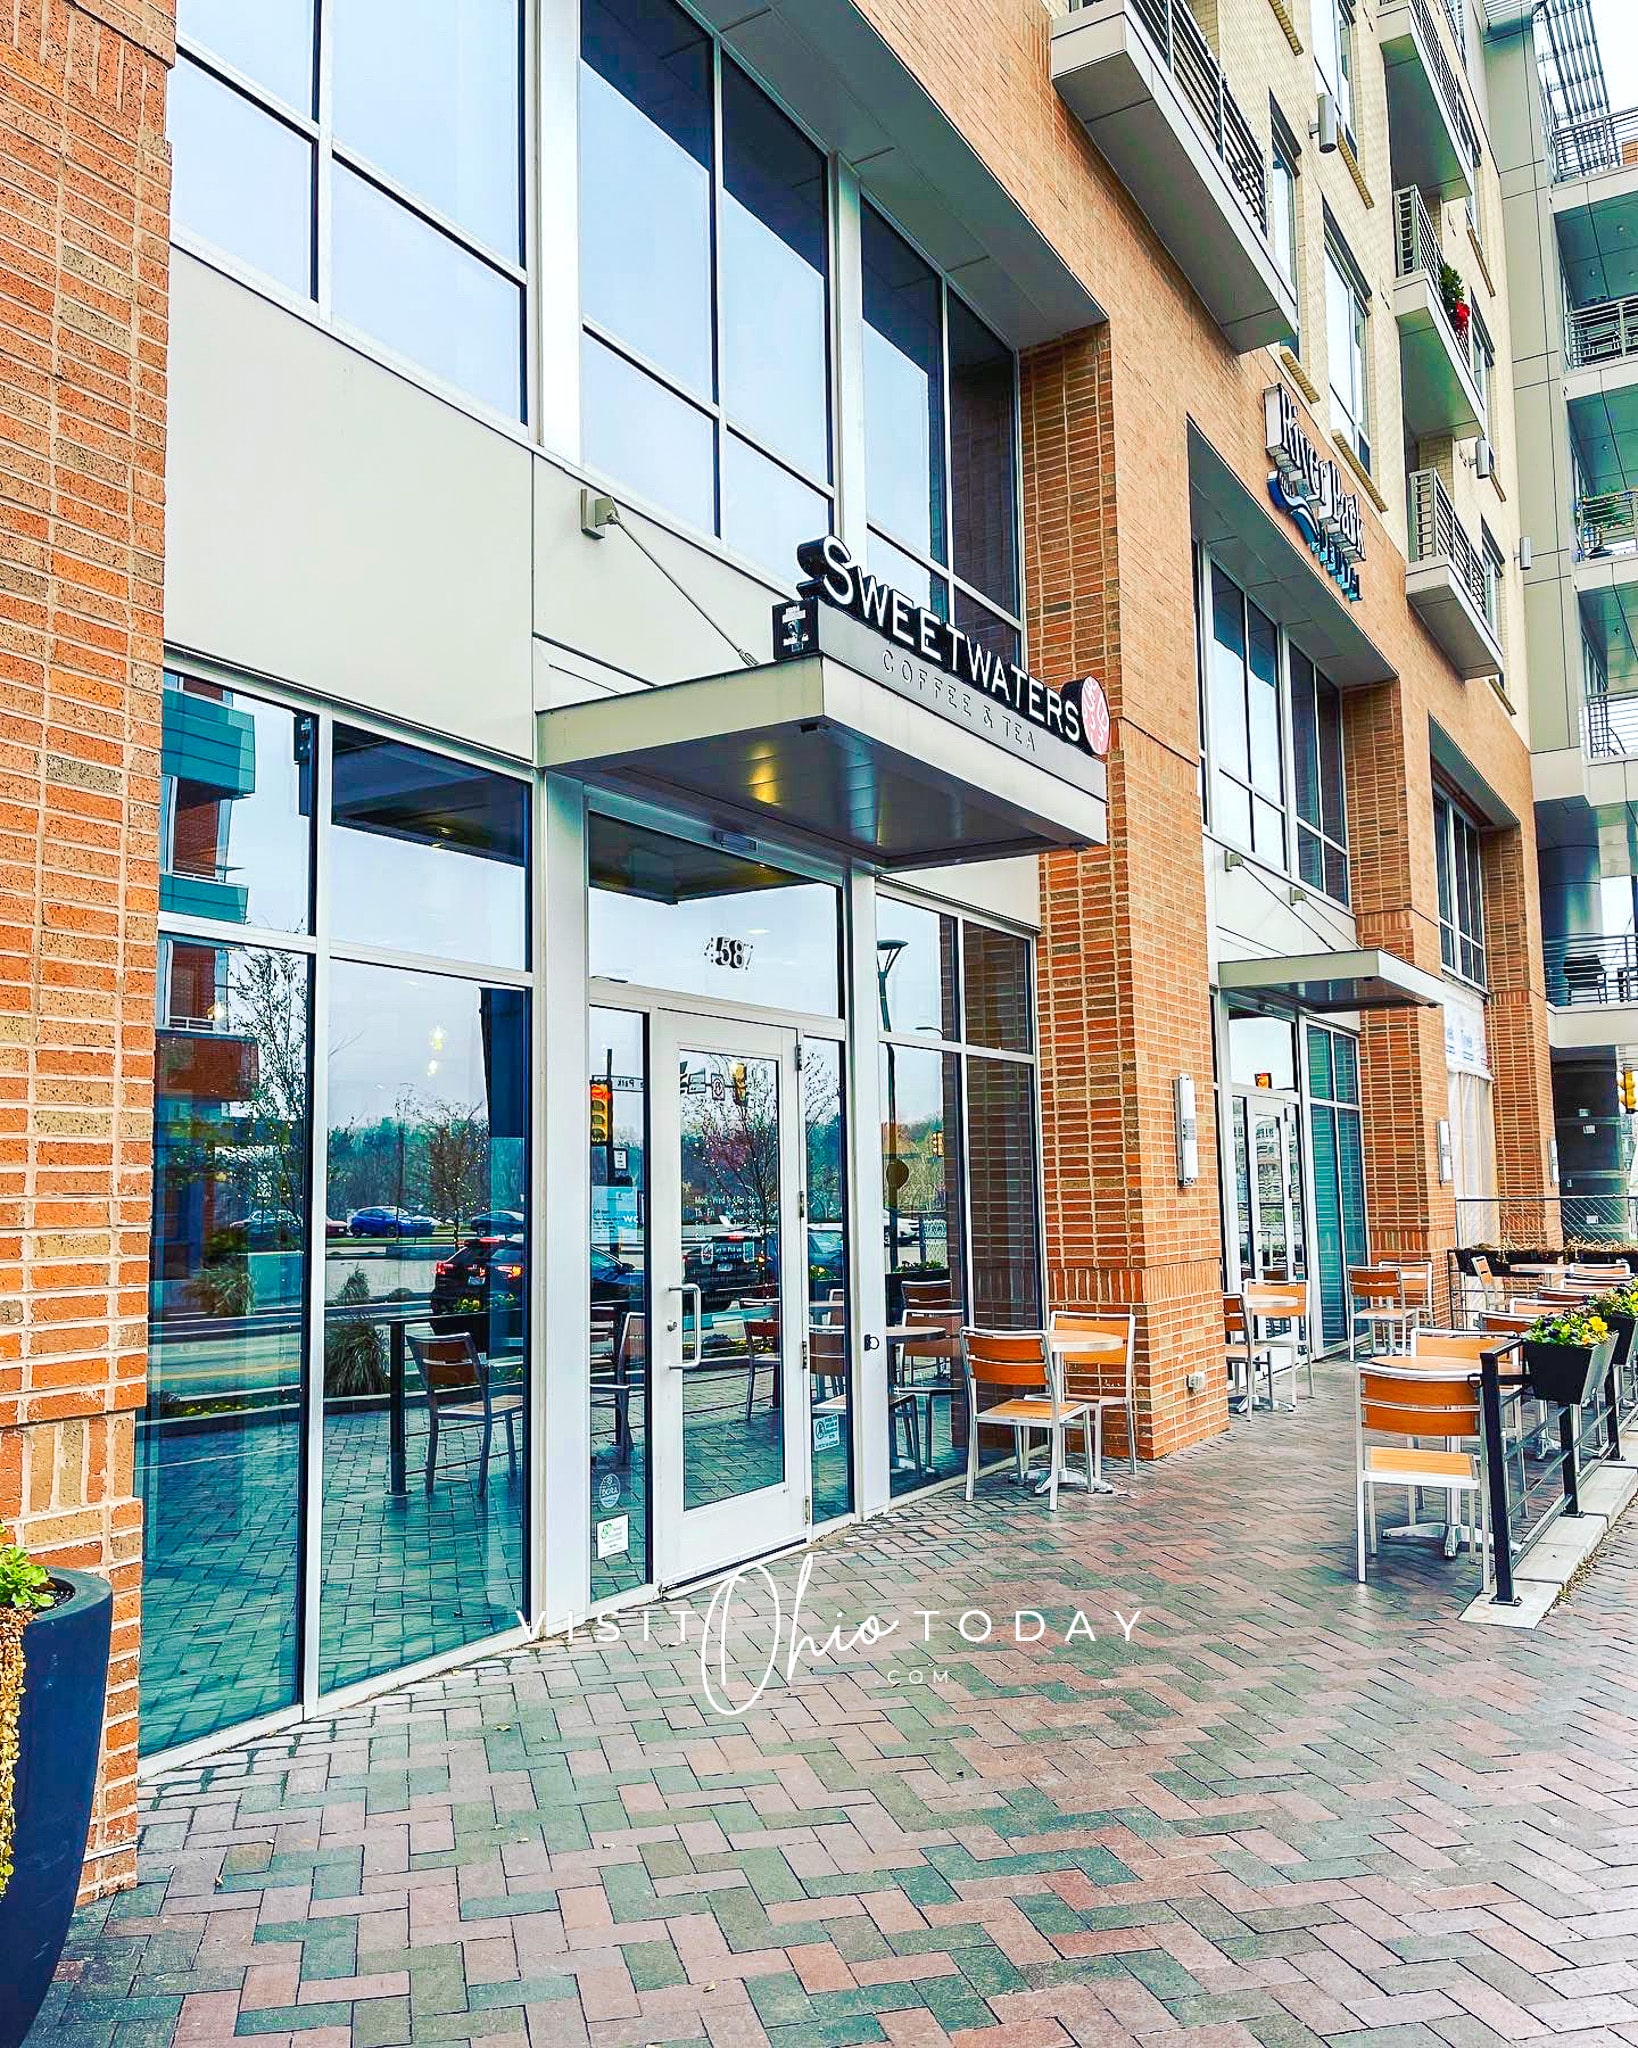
x,y
1607,142
1446,82
1436,533
1416,247
1606,524
1193,64
1605,333
1609,727
1591,968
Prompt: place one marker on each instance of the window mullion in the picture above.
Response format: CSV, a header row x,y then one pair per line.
x,y
323,205
717,173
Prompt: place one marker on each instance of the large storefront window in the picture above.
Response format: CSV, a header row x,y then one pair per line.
x,y
1458,861
1272,737
371,1268
705,355
408,144
1339,1171
960,1189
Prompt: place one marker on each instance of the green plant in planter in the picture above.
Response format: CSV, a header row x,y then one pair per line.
x,y
1581,1327
354,1355
25,1589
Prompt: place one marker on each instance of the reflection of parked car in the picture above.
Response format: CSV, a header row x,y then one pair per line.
x,y
827,1260
497,1223
377,1222
481,1278
612,1280
335,1226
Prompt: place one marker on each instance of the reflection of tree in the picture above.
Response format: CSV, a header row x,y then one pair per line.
x,y
737,1140
267,1165
457,1151
822,1112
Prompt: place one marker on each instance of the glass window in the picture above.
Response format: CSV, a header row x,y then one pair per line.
x,y
995,981
429,93
1346,345
1482,354
270,43
427,854
905,573
1333,25
1262,1052
618,1375
1316,744
236,807
656,442
775,374
916,969
424,295
425,1342
766,512
219,1440
1339,1172
830,1382
903,391
1457,854
983,474
1495,568
1004,1228
1283,233
979,623
666,913
645,183
926,1261
241,178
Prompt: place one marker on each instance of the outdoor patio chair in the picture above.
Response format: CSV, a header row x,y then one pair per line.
x,y
1492,1294
629,1353
1449,1347
460,1395
1287,1302
1584,976
1104,1373
1376,1300
1239,1353
1021,1361
1405,1401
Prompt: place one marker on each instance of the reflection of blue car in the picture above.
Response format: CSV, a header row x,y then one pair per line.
x,y
389,1223
827,1261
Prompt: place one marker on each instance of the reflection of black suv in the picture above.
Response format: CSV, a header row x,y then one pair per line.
x,y
481,1276
612,1280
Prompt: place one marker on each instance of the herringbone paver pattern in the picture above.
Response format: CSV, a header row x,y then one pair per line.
x,y
1286,1810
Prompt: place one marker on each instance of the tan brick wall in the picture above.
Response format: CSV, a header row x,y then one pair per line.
x,y
85,169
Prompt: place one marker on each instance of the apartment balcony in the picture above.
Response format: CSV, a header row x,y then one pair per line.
x,y
1592,990
1441,395
1431,137
1148,87
1447,583
1589,149
209,743
212,896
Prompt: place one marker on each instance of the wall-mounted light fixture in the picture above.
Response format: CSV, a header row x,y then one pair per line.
x,y
1447,1169
1527,551
1188,1132
1327,124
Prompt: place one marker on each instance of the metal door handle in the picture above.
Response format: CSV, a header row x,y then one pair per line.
x,y
688,1287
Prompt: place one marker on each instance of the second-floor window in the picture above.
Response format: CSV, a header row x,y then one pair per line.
x,y
1273,742
1456,848
1483,355
1283,232
1333,22
1347,335
416,171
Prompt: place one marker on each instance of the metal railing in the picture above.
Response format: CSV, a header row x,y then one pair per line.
x,y
1454,14
1445,81
1191,60
1605,333
1437,534
1542,1226
1610,728
1605,143
1606,523
1416,248
1591,967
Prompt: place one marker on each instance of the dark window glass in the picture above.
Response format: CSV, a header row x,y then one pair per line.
x,y
983,477
995,980
428,854
1228,678
766,512
1305,739
240,178
1334,815
979,623
421,293
237,807
648,437
431,94
775,381
904,391
1345,1054
1263,696
905,573
645,183
830,1369
1262,1052
916,969
426,1291
668,913
1320,1081
926,1261
619,1303
219,1442
1001,1178
271,43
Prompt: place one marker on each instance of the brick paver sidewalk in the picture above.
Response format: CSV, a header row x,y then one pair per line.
x,y
1287,1809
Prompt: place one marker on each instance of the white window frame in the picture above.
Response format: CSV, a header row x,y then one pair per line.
x,y
1351,412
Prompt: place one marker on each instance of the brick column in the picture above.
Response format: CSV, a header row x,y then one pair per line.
x,y
1124,998
1516,1027
85,171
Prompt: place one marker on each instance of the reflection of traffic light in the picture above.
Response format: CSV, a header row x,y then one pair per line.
x,y
602,1113
740,1085
1629,1088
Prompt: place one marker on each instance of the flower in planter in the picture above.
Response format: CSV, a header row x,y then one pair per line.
x,y
25,1589
1581,1327
1454,293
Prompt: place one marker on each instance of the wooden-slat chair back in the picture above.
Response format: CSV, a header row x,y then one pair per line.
x,y
1376,1285
1413,1402
1453,1345
1098,1370
450,1368
1008,1358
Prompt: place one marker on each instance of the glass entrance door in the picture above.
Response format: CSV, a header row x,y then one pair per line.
x,y
1269,1188
729,1277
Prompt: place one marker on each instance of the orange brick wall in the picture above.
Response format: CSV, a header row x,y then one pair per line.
x,y
83,290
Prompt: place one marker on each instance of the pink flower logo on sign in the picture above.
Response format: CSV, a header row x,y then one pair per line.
x,y
1094,714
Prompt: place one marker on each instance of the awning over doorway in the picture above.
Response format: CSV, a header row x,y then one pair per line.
x,y
892,767
1368,979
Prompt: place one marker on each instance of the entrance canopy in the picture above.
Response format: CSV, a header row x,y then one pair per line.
x,y
1368,979
877,755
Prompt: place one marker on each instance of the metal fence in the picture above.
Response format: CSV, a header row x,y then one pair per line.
x,y
1606,523
1604,143
1437,534
1610,726
1548,1223
1605,333
1193,64
1591,967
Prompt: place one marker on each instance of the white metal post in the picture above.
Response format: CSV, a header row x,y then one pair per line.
x,y
867,1265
